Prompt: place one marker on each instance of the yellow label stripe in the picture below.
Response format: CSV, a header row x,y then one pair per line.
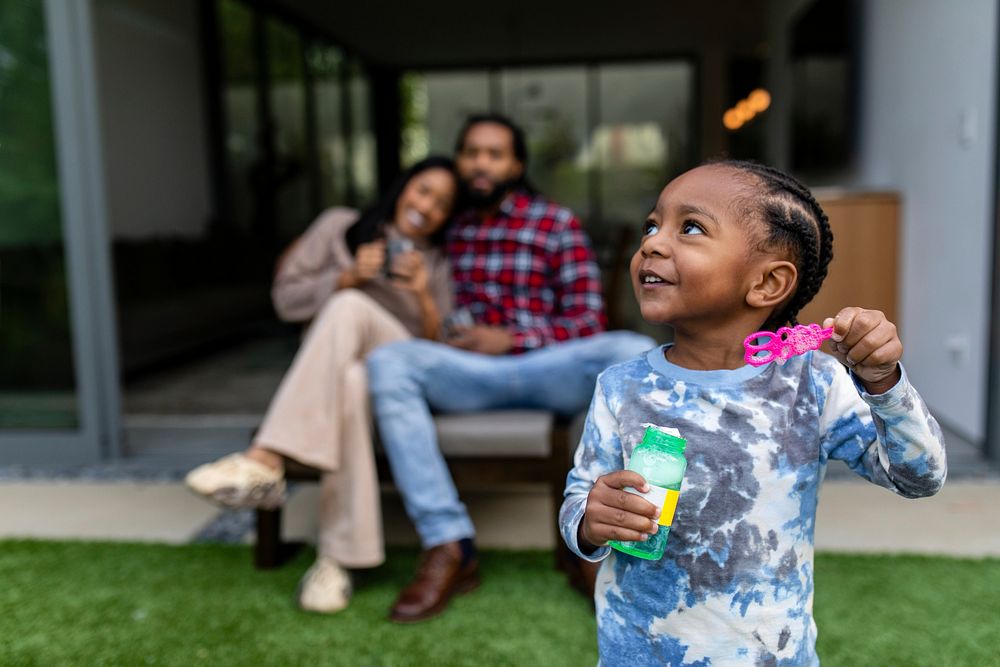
x,y
669,507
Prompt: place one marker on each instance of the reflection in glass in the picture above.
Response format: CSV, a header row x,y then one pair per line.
x,y
435,105
243,134
644,137
363,165
290,173
550,104
326,65
37,383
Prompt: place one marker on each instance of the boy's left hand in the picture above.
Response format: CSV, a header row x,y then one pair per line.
x,y
868,344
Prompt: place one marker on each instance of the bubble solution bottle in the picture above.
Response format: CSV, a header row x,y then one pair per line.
x,y
659,458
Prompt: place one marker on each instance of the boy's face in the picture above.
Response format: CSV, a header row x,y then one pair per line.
x,y
694,263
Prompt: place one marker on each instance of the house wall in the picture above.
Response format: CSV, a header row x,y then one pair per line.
x,y
152,109
927,119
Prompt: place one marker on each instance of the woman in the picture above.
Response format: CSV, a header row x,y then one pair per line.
x,y
363,281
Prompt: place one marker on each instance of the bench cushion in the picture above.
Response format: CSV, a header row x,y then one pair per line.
x,y
497,433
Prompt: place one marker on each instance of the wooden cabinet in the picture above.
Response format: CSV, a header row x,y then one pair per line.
x,y
865,262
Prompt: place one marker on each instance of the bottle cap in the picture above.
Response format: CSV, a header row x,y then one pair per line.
x,y
657,435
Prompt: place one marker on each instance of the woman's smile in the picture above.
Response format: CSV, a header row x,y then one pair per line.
x,y
415,218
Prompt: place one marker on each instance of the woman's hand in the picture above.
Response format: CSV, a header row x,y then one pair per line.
x,y
368,261
868,344
409,270
615,514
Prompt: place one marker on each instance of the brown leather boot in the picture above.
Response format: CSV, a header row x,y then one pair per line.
x,y
439,576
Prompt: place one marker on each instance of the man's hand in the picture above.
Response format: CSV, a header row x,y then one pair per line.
x,y
868,344
483,339
615,514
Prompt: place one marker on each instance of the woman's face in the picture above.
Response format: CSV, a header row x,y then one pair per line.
x,y
425,203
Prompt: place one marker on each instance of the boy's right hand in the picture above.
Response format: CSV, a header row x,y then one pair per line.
x,y
615,514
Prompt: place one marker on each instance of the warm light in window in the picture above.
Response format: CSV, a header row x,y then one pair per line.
x,y
759,100
731,120
743,111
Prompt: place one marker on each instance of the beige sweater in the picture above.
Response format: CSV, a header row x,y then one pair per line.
x,y
308,274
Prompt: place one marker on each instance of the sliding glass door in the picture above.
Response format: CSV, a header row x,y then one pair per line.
x,y
57,387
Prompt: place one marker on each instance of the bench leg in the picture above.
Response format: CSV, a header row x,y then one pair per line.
x,y
268,548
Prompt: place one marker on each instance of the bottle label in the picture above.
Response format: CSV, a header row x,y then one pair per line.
x,y
665,499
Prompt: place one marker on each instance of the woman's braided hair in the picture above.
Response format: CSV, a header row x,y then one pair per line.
x,y
796,223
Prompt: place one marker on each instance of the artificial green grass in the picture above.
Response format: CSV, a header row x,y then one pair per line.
x,y
907,611
77,603
66,603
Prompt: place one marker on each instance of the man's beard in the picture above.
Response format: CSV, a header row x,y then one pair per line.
x,y
480,200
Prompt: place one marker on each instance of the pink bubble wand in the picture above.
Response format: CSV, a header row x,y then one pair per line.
x,y
784,343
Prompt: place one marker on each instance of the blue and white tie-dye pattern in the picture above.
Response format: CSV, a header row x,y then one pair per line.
x,y
735,586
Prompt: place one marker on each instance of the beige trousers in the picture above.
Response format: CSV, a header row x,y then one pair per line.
x,y
321,417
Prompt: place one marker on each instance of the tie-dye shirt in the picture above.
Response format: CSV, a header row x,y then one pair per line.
x,y
735,586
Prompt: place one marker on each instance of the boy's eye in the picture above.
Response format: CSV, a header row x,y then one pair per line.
x,y
649,228
689,227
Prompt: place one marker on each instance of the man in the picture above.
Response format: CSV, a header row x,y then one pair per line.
x,y
523,267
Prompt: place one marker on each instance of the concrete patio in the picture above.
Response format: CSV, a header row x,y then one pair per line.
x,y
853,516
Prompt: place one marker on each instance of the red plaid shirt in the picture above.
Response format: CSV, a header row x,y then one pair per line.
x,y
529,268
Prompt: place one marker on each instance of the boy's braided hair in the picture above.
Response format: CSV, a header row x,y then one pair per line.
x,y
797,223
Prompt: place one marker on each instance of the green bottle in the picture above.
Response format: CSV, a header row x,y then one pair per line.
x,y
659,458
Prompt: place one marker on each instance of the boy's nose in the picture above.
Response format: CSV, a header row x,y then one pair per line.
x,y
657,244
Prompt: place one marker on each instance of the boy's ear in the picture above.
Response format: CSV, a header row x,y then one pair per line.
x,y
773,285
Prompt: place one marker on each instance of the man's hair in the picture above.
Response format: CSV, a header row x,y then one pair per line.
x,y
795,223
518,142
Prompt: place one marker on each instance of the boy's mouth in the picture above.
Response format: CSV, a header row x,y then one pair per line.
x,y
648,278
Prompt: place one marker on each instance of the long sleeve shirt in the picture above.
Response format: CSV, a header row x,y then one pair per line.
x,y
529,268
309,274
735,586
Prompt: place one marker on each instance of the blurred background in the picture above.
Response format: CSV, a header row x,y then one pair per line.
x,y
156,157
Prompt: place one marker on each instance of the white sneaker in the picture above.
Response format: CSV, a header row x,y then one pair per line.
x,y
238,482
325,588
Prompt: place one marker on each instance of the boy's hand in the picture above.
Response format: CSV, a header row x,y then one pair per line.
x,y
868,343
615,514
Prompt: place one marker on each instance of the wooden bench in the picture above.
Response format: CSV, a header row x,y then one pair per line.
x,y
482,449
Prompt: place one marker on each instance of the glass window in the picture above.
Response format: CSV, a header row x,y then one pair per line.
x,y
435,105
326,64
364,170
37,381
644,137
550,104
824,40
239,99
290,178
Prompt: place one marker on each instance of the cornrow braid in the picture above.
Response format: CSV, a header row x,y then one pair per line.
x,y
796,221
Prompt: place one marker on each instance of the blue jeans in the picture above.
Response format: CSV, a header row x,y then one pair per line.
x,y
410,378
